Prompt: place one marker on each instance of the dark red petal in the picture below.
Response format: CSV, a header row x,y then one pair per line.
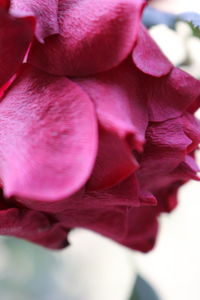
x,y
45,12
171,95
120,102
125,193
48,137
32,226
94,36
141,229
114,162
165,149
192,130
5,4
148,57
167,198
110,221
15,37
108,212
147,198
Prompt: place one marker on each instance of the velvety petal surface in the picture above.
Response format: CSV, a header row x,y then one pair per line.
x,y
148,57
15,37
165,149
125,193
120,102
141,229
32,226
114,162
94,36
45,12
48,137
171,95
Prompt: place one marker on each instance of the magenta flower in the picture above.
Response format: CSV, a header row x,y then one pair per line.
x,y
96,125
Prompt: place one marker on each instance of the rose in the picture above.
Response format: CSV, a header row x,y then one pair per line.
x,y
97,129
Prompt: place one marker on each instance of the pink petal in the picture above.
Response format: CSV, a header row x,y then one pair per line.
x,y
94,36
148,57
120,102
15,37
147,198
170,96
114,162
48,137
46,13
32,226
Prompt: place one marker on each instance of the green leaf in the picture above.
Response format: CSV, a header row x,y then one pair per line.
x,y
193,19
143,291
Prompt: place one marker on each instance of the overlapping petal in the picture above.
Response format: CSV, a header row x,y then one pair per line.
x,y
45,12
114,162
171,95
48,137
33,226
15,37
165,149
120,102
93,37
150,59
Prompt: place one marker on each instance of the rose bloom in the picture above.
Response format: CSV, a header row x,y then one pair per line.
x,y
97,128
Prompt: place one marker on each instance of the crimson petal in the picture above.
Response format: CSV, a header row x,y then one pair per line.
x,y
120,102
114,162
33,226
94,36
171,95
15,37
148,57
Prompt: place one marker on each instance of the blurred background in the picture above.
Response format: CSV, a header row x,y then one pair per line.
x,y
94,268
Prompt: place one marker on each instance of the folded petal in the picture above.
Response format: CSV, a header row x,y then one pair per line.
x,y
15,37
148,57
125,193
171,95
165,149
192,130
114,162
94,36
32,226
46,13
48,137
141,229
120,102
112,212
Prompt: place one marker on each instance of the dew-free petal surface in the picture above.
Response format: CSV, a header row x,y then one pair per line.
x,y
94,36
171,95
48,137
165,149
15,37
33,226
114,162
45,12
148,57
120,102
